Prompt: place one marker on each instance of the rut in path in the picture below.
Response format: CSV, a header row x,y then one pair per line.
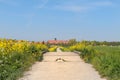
x,y
69,66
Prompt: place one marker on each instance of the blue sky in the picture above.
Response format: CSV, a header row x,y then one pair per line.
x,y
61,19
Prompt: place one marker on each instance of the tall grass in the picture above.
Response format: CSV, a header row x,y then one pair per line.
x,y
105,59
107,62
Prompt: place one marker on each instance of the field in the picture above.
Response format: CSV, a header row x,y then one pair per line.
x,y
107,62
105,59
16,56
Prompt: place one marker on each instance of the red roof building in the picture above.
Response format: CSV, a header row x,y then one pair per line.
x,y
58,41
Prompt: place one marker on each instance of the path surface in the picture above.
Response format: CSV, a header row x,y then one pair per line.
x,y
72,69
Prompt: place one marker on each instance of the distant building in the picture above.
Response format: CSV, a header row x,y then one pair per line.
x,y
58,41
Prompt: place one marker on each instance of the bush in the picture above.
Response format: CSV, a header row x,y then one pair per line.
x,y
52,49
17,56
77,47
88,54
65,49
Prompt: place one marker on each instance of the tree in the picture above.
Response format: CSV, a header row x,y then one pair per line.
x,y
72,41
55,39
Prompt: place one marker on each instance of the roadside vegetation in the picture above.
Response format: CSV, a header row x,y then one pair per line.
x,y
104,58
65,49
16,56
52,48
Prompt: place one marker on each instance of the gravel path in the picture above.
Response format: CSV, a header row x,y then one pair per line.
x,y
68,66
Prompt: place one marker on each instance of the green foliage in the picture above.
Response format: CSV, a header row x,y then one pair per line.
x,y
77,47
65,49
72,41
88,54
98,43
15,62
52,49
108,62
17,56
105,59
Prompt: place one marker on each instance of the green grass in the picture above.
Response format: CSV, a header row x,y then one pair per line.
x,y
13,66
105,59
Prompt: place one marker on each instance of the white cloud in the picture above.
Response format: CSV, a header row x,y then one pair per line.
x,y
83,7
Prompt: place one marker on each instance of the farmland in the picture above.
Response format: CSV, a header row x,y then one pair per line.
x,y
17,56
105,59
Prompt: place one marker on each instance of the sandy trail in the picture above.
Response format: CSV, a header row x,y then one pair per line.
x,y
72,69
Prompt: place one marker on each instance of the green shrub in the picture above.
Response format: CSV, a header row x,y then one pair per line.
x,y
65,49
52,49
14,64
17,56
88,53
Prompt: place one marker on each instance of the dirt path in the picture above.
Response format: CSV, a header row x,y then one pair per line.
x,y
72,69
